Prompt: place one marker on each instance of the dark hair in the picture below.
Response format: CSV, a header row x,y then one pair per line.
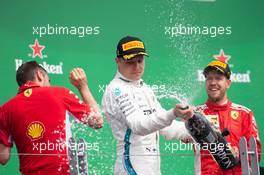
x,y
26,72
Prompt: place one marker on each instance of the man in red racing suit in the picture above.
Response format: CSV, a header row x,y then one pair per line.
x,y
239,120
37,120
222,113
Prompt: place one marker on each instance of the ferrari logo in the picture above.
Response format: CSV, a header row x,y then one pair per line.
x,y
28,92
234,114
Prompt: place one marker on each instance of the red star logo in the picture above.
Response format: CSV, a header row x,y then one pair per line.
x,y
222,57
37,49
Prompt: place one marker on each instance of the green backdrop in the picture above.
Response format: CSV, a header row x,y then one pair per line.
x,y
181,37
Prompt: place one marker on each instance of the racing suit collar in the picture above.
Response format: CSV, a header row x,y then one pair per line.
x,y
29,84
135,82
214,106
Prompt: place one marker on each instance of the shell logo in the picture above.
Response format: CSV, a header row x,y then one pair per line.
x,y
35,130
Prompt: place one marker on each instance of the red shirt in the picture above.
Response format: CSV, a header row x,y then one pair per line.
x,y
240,121
37,121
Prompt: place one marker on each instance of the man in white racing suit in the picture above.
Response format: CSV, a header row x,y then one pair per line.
x,y
135,115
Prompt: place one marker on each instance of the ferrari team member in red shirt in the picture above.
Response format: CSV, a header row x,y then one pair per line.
x,y
37,120
223,113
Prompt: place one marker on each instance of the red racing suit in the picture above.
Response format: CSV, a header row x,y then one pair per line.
x,y
240,121
37,121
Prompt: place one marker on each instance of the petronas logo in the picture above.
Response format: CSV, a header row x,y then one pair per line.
x,y
35,130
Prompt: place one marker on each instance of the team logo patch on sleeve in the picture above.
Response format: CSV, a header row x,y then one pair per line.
x,y
234,114
213,119
117,91
35,130
28,92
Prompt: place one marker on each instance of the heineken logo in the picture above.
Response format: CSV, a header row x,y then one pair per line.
x,y
37,52
222,56
37,49
50,68
236,77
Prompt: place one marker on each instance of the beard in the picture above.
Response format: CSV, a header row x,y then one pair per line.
x,y
218,97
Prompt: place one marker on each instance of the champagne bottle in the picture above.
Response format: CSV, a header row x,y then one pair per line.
x,y
207,137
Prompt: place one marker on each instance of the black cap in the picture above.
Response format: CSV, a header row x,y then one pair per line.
x,y
219,66
129,46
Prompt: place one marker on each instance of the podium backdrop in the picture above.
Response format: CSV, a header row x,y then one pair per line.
x,y
181,37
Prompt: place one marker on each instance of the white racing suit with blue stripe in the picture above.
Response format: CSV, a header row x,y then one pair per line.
x,y
137,119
